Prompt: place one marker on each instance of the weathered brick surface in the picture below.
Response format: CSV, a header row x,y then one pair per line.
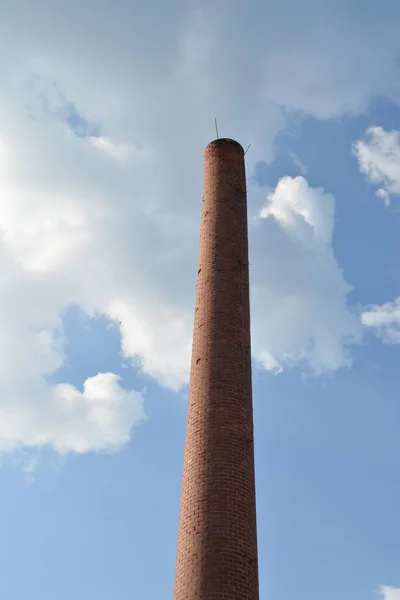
x,y
217,542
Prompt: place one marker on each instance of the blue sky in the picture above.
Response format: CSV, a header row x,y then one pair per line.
x,y
103,123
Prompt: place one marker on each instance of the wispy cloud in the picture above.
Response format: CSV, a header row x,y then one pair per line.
x,y
378,156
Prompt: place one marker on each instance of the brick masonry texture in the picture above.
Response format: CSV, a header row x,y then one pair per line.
x,y
217,541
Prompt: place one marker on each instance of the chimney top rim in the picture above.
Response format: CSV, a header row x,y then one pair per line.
x,y
220,141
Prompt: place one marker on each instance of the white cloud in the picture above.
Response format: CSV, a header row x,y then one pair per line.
x,y
305,213
384,321
379,160
300,312
269,362
115,149
389,593
111,223
159,335
102,416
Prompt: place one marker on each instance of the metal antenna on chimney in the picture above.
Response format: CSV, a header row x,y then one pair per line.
x,y
247,149
216,128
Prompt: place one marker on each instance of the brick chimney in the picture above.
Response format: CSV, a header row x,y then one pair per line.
x,y
217,542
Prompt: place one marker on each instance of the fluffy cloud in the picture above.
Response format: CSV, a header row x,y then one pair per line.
x,y
378,157
101,416
389,593
101,139
384,321
300,312
159,334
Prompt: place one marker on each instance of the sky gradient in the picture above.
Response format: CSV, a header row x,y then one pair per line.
x,y
105,110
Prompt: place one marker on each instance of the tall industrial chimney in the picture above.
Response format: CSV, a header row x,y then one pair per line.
x,y
217,542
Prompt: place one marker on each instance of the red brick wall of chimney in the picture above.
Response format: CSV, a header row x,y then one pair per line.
x,y
217,541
